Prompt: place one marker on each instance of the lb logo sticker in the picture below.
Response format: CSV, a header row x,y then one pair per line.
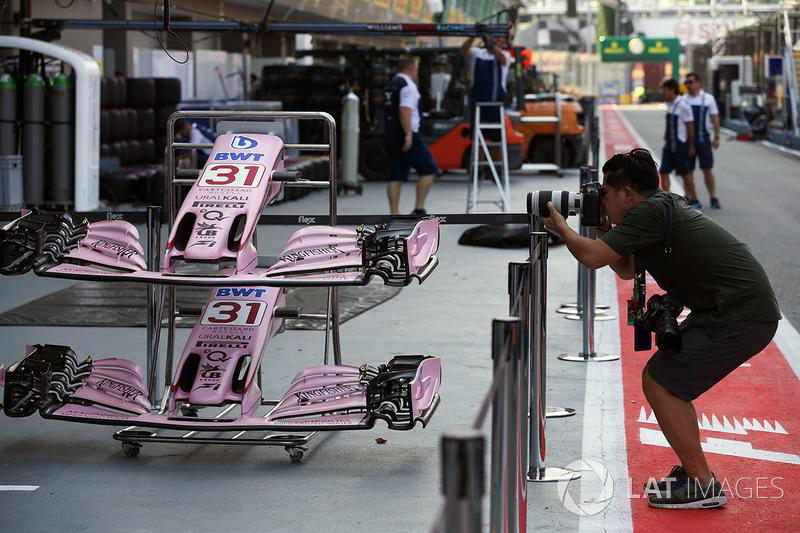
x,y
240,142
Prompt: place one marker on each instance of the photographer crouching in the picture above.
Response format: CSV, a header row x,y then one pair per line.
x,y
700,265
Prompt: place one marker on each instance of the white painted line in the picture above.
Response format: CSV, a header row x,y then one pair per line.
x,y
603,420
22,488
788,342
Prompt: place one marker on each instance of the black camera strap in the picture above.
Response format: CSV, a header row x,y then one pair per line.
x,y
667,235
639,280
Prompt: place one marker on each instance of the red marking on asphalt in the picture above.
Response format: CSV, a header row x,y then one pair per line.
x,y
759,467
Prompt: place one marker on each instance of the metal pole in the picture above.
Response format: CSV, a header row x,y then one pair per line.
x,y
575,311
155,304
463,480
538,373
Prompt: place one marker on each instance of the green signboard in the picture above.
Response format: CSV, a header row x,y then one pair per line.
x,y
641,49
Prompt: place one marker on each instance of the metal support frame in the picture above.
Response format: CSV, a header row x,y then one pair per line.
x,y
132,436
155,305
479,144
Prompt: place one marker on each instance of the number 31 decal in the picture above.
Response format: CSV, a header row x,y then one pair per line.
x,y
232,175
238,313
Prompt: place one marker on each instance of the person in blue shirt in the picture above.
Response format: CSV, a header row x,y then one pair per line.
x,y
194,133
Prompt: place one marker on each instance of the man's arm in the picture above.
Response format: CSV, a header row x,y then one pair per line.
x,y
592,253
466,47
500,55
690,136
715,123
405,122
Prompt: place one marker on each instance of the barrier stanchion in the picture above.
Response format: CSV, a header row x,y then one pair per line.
x,y
508,507
520,279
537,471
588,353
462,481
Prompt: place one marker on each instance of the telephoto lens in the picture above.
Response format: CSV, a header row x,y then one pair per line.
x,y
587,203
564,202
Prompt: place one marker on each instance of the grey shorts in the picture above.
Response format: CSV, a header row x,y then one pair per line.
x,y
708,355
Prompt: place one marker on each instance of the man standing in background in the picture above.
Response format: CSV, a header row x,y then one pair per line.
x,y
706,119
678,138
404,145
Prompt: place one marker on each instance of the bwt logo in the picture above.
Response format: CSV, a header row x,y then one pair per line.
x,y
240,142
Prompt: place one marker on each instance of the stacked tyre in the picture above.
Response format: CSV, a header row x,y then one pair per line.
x,y
305,88
133,135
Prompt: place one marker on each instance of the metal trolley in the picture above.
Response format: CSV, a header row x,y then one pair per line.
x,y
162,297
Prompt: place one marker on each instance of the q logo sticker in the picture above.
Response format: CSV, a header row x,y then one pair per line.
x,y
240,142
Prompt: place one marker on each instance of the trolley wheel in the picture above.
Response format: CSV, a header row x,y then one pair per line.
x,y
295,453
131,449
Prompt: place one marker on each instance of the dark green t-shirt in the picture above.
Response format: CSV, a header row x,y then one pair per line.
x,y
714,274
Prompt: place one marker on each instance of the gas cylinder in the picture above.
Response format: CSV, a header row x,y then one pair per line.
x,y
63,139
8,115
33,139
348,177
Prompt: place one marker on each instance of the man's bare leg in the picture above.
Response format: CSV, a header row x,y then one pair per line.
x,y
678,421
664,180
393,192
424,184
688,186
708,176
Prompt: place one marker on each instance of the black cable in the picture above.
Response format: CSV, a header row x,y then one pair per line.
x,y
169,31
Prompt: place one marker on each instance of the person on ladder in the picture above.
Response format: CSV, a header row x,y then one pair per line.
x,y
489,68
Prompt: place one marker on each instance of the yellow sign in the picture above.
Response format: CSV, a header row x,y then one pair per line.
x,y
615,48
658,48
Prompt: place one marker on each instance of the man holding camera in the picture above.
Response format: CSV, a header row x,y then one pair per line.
x,y
734,312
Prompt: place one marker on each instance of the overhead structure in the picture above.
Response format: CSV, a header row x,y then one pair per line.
x,y
400,29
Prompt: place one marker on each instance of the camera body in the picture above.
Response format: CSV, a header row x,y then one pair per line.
x,y
661,318
586,202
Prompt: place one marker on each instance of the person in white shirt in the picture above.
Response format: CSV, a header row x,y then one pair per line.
x,y
678,136
402,140
489,68
706,120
